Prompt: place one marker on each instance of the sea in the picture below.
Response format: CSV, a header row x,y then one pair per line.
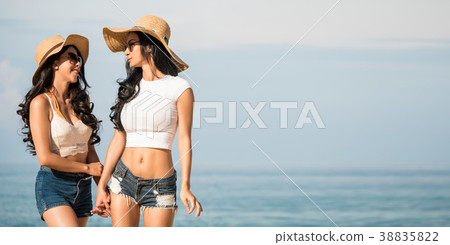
x,y
267,197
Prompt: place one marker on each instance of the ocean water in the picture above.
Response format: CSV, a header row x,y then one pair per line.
x,y
266,197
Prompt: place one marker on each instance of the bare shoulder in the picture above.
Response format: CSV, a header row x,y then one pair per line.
x,y
186,96
40,102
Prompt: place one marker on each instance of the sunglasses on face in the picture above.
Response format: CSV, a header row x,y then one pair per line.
x,y
74,59
130,46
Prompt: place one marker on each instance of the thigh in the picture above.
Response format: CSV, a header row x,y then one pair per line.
x,y
61,216
160,217
123,212
82,221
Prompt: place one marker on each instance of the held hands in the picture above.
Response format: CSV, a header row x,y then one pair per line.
x,y
103,197
94,169
187,198
102,202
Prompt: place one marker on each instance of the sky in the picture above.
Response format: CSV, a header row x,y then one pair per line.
x,y
376,73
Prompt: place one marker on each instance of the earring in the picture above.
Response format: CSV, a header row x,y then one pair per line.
x,y
56,67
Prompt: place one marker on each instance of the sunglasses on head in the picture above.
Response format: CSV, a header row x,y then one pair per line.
x,y
74,59
130,46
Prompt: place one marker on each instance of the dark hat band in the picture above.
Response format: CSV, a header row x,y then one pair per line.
x,y
49,51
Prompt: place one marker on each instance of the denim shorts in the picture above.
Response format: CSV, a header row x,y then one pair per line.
x,y
148,193
54,188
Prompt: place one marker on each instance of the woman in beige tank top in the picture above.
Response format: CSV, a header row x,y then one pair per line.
x,y
61,130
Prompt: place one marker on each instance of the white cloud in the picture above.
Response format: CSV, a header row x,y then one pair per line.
x,y
202,24
10,96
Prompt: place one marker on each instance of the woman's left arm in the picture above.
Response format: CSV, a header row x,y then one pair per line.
x,y
92,157
185,108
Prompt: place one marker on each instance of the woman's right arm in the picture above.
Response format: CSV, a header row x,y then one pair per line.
x,y
113,154
40,130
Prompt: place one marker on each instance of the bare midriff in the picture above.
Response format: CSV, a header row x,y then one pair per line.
x,y
80,157
148,163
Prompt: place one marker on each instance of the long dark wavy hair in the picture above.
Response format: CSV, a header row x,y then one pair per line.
x,y
151,48
78,95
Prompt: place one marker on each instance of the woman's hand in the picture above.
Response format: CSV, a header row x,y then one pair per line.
x,y
187,197
94,169
102,202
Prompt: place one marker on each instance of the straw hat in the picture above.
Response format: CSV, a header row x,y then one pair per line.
x,y
53,45
155,26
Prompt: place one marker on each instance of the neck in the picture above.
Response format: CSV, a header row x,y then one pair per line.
x,y
151,73
61,90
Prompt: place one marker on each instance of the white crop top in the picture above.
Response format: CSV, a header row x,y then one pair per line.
x,y
68,139
151,119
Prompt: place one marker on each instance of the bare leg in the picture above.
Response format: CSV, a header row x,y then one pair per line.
x,y
123,214
83,221
158,217
61,216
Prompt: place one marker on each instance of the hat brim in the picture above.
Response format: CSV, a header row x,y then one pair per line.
x,y
116,38
81,43
78,41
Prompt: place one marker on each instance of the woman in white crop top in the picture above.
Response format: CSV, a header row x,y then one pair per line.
x,y
152,103
60,129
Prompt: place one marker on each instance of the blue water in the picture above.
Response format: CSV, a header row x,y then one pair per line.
x,y
251,197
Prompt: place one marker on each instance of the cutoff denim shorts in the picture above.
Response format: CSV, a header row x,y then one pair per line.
x,y
55,188
148,193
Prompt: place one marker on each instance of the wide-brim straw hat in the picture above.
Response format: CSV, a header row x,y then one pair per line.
x,y
154,26
53,45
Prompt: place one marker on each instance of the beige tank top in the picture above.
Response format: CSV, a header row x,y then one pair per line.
x,y
68,139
